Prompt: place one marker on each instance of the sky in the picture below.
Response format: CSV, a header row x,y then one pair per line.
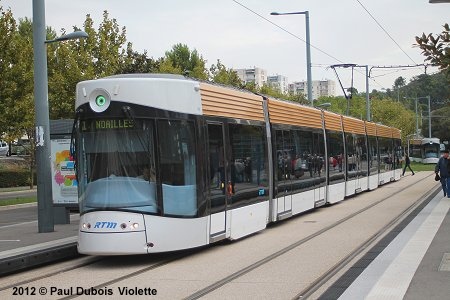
x,y
243,34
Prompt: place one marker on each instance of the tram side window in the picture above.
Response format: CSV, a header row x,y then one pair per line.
x,y
356,155
336,157
177,165
398,154
385,149
373,155
307,160
249,167
300,162
415,151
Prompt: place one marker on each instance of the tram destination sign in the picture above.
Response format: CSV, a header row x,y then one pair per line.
x,y
106,124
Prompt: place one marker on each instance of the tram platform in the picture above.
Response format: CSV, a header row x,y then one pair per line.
x,y
415,264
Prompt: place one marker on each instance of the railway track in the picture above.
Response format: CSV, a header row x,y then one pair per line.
x,y
86,264
304,294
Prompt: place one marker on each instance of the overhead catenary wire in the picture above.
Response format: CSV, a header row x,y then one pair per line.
x,y
385,31
285,30
324,52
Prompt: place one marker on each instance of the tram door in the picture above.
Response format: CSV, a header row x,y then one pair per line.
x,y
284,172
218,178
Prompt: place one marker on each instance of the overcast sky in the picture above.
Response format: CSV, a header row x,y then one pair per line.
x,y
341,32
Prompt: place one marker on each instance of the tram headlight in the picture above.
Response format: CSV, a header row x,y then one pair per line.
x,y
86,226
132,226
99,100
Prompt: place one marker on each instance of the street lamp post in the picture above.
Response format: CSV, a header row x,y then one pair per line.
x,y
44,191
417,114
308,50
323,105
367,95
429,116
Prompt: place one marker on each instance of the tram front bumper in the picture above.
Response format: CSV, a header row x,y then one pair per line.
x,y
112,243
112,233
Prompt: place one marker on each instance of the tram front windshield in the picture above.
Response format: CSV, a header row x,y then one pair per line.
x,y
117,166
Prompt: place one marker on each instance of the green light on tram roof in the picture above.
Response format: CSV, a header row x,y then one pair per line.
x,y
100,100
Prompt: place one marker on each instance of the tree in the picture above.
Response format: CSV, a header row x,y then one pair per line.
x,y
436,49
399,83
440,123
220,74
392,113
135,62
8,59
436,86
17,84
101,54
181,60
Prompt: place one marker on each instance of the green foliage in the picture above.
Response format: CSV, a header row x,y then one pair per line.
x,y
436,49
16,86
440,124
16,201
7,86
392,113
399,82
101,54
220,74
417,167
12,178
181,60
437,86
135,62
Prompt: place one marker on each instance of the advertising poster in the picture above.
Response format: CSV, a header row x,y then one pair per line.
x,y
64,182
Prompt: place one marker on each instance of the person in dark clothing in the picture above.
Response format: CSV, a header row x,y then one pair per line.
x,y
407,164
442,167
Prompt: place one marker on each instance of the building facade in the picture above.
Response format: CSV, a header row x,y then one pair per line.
x,y
256,75
279,82
319,88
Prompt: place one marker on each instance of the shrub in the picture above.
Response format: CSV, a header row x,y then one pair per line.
x,y
12,178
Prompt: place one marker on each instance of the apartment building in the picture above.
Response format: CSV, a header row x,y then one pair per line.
x,y
279,82
259,77
256,75
319,88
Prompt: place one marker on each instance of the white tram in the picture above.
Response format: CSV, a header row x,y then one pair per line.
x,y
424,150
167,163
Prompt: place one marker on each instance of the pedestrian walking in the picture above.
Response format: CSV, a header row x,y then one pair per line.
x,y
442,168
407,164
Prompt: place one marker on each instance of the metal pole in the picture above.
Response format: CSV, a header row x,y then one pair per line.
x,y
417,119
367,94
44,192
429,116
308,60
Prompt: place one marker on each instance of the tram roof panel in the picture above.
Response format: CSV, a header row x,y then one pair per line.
x,y
371,128
396,133
161,91
283,112
353,125
333,121
226,102
384,131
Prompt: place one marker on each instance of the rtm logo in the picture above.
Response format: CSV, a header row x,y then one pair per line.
x,y
110,225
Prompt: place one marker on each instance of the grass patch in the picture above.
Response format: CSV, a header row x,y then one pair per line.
x,y
417,167
16,201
